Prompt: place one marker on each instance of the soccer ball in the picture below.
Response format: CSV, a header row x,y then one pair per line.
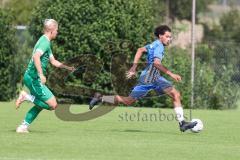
x,y
198,127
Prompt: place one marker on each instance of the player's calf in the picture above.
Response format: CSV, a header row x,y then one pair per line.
x,y
114,99
125,100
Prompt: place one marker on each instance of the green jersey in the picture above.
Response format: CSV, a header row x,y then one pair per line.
x,y
43,46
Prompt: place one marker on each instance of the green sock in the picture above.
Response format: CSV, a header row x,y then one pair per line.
x,y
32,114
41,104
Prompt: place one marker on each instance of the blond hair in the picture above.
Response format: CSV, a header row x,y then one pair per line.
x,y
49,25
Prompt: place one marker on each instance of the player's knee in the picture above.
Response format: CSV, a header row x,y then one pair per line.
x,y
54,106
176,95
129,101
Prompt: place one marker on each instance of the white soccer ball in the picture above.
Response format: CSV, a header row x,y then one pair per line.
x,y
198,127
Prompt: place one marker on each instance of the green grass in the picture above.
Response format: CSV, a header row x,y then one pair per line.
x,y
112,138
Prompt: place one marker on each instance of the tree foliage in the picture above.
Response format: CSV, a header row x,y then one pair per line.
x,y
99,28
7,52
227,30
223,42
21,10
183,9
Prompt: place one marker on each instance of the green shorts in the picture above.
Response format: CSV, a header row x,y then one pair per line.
x,y
36,88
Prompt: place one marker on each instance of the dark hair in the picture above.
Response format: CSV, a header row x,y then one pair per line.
x,y
160,30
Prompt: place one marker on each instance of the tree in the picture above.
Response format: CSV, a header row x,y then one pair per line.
x,y
230,24
7,51
21,11
99,28
226,52
182,9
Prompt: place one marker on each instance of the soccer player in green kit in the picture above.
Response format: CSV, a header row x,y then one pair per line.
x,y
35,77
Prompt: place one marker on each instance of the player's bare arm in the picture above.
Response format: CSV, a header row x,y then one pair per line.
x,y
158,65
58,64
138,55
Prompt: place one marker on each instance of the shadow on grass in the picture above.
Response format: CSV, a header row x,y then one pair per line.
x,y
33,131
146,131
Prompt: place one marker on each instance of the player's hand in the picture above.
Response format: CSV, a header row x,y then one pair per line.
x,y
131,73
176,77
43,79
72,69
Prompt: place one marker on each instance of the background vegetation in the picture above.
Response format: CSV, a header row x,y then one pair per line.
x,y
106,34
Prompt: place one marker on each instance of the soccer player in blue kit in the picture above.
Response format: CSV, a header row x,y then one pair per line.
x,y
151,79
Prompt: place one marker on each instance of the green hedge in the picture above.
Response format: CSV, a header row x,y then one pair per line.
x,y
216,66
107,34
7,51
99,28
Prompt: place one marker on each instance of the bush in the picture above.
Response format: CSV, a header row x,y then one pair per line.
x,y
97,28
21,12
24,52
183,9
214,86
225,61
7,52
227,30
102,37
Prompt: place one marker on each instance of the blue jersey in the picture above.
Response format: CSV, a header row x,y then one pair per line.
x,y
150,74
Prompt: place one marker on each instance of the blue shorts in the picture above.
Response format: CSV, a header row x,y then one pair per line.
x,y
142,89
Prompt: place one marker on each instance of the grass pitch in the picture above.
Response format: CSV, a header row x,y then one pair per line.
x,y
126,133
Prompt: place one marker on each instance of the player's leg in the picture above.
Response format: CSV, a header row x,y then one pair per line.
x,y
124,100
116,99
24,96
176,98
42,104
46,100
30,116
111,99
139,91
37,91
52,102
175,95
43,99
165,87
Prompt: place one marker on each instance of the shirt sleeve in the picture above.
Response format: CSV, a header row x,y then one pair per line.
x,y
158,52
50,53
147,46
42,48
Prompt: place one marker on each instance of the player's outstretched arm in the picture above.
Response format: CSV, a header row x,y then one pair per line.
x,y
138,55
159,66
58,64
